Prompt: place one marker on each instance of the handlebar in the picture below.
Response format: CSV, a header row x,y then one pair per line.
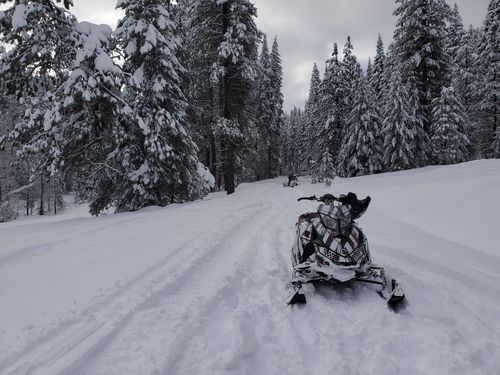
x,y
324,198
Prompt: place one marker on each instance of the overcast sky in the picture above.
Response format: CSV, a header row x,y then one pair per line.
x,y
307,29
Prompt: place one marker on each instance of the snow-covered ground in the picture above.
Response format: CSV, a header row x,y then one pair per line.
x,y
200,288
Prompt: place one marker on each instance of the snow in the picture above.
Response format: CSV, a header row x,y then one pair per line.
x,y
206,175
94,37
199,288
19,16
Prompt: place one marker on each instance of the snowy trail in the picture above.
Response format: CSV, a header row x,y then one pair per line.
x,y
200,288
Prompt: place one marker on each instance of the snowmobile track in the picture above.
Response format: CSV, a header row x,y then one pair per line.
x,y
100,322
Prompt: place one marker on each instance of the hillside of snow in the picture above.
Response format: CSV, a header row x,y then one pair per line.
x,y
200,288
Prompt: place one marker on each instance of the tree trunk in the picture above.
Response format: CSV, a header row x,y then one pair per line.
x,y
28,204
229,178
42,187
270,162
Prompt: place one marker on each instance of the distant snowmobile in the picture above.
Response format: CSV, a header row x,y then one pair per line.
x,y
292,181
331,247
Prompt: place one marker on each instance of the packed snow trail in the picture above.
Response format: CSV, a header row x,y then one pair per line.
x,y
200,288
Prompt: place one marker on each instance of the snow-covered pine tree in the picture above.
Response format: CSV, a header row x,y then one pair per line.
x,y
422,140
225,46
294,144
466,82
349,75
201,34
40,34
369,69
312,151
361,151
390,65
284,143
449,129
398,127
333,106
277,106
454,35
351,71
377,78
489,89
420,47
265,113
86,121
160,158
42,50
326,170
464,72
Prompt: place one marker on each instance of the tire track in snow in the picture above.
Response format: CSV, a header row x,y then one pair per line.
x,y
76,335
258,325
173,316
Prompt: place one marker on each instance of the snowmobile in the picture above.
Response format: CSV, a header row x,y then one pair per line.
x,y
292,181
331,247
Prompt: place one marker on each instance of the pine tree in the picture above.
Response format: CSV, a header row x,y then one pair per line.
x,y
161,158
42,38
464,79
377,78
489,88
350,73
265,159
449,135
326,169
87,122
312,148
455,34
295,137
38,31
266,114
465,82
361,151
420,47
369,69
333,107
399,141
225,38
390,66
422,141
277,106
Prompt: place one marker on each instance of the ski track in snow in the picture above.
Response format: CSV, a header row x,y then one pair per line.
x,y
214,302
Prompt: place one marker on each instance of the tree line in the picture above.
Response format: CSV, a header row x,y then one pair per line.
x,y
184,97
430,98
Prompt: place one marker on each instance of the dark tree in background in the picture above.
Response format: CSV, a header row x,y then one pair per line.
x,y
489,89
224,40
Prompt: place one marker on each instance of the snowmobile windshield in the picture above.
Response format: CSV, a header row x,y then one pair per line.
x,y
336,218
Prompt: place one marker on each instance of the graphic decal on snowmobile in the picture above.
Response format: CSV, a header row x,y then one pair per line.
x,y
330,246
